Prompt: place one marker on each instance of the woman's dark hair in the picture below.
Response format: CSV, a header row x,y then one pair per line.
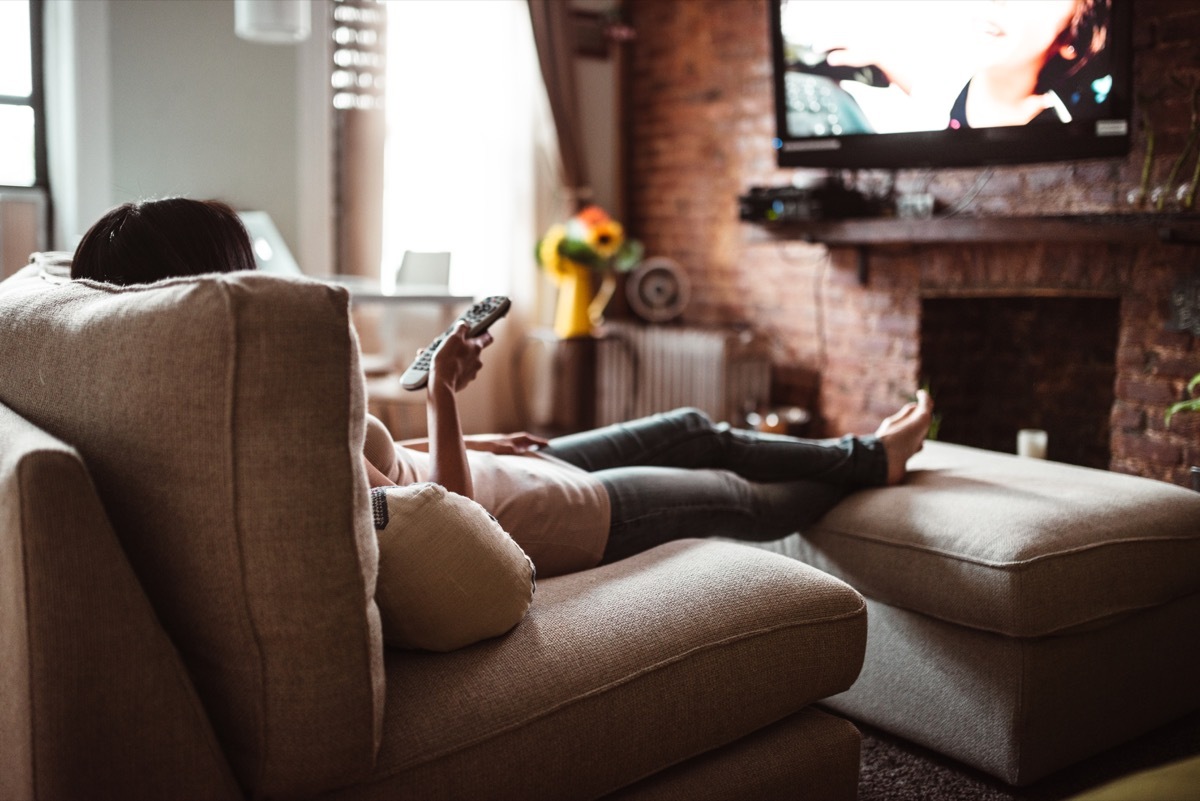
x,y
139,243
1086,34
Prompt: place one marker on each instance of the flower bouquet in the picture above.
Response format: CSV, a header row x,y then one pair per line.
x,y
590,243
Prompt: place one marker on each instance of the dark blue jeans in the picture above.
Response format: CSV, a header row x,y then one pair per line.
x,y
678,474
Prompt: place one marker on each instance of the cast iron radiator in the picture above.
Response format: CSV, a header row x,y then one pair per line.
x,y
643,369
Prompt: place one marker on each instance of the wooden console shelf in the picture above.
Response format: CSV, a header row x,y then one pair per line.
x,y
869,232
1183,229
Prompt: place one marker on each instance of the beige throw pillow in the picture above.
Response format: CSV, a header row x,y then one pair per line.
x,y
449,575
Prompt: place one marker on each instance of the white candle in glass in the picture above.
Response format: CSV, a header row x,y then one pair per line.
x,y
1031,442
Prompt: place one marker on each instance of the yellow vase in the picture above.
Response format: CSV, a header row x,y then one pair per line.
x,y
603,296
574,295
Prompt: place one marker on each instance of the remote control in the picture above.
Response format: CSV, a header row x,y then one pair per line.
x,y
480,317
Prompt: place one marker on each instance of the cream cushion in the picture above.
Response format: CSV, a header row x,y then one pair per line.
x,y
1017,546
449,575
221,419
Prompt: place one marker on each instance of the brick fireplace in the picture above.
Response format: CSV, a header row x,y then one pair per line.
x,y
999,364
699,120
1090,361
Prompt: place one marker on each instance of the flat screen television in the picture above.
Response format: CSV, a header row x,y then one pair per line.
x,y
897,84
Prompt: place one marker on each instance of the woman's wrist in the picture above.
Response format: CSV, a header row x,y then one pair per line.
x,y
448,455
438,391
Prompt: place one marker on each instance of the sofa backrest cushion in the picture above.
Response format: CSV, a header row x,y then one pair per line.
x,y
222,420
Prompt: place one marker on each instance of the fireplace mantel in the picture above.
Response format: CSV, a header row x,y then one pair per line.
x,y
1181,229
866,233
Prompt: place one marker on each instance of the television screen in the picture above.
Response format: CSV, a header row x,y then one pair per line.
x,y
932,83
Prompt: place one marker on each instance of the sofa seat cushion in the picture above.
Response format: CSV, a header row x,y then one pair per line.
x,y
222,420
1022,547
618,673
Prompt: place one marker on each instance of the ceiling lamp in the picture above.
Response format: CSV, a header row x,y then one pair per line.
x,y
273,21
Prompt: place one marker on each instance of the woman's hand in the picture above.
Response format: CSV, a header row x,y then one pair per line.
x,y
458,360
505,443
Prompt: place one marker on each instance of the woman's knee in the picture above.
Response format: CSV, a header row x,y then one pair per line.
x,y
692,419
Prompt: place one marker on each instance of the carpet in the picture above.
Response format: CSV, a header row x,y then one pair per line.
x,y
896,770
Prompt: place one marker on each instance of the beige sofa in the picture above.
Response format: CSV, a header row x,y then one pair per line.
x,y
187,567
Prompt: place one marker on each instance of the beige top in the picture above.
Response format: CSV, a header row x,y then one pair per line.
x,y
556,512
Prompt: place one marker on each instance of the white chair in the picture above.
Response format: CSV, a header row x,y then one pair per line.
x,y
424,273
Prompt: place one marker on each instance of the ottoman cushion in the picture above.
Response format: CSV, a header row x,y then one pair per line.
x,y
1021,547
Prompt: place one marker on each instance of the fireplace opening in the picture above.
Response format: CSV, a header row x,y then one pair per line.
x,y
997,365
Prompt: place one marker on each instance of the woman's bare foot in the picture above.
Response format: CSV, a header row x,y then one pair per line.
x,y
903,434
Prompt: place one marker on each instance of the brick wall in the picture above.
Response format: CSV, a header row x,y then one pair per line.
x,y
699,122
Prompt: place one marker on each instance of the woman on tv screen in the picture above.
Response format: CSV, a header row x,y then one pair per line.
x,y
921,65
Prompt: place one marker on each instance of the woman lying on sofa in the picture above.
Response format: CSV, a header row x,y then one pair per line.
x,y
571,502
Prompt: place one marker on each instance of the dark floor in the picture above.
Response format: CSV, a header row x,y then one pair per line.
x,y
894,770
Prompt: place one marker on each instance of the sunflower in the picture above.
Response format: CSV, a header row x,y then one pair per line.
x,y
591,239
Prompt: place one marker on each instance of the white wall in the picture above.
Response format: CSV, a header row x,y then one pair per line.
x,y
149,98
78,132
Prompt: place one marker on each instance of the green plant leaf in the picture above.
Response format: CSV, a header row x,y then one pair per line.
x,y
1192,405
580,252
1191,387
629,256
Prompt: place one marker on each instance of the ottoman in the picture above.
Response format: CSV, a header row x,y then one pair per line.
x,y
1022,614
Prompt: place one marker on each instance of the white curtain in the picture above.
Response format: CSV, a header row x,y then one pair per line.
x,y
471,166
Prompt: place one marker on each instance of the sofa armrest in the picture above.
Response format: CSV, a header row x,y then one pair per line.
x,y
94,700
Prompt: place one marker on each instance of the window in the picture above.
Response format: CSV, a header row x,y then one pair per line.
x,y
22,133
358,60
359,55
468,128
